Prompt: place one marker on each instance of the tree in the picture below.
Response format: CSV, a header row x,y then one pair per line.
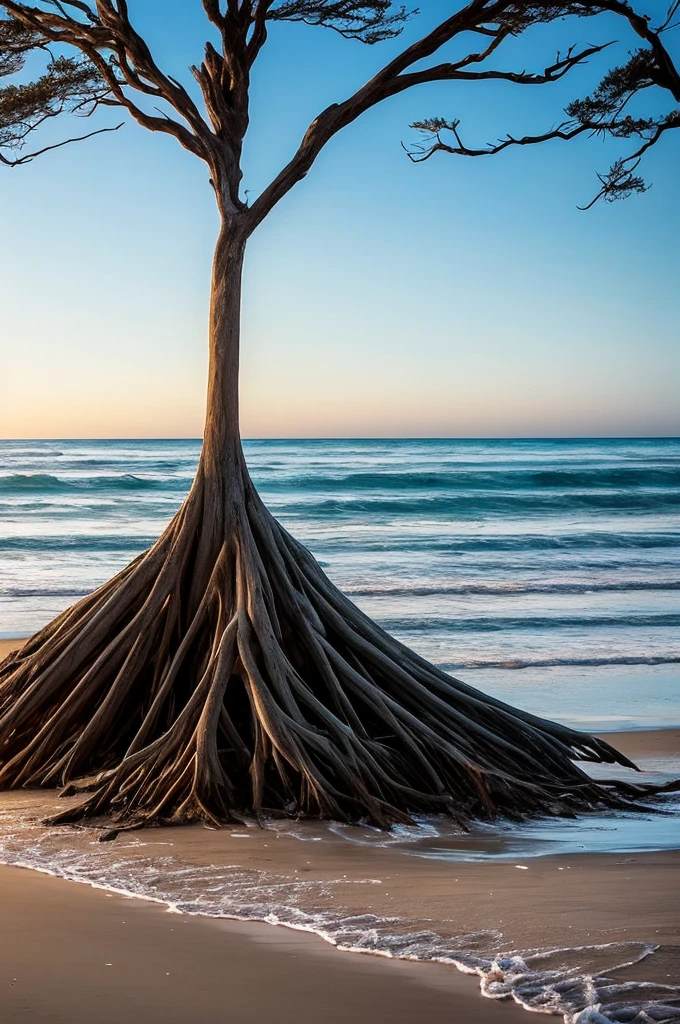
x,y
221,672
68,85
604,113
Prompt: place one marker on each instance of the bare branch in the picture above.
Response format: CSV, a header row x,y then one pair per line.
x,y
456,72
213,10
26,158
108,40
435,127
497,20
259,30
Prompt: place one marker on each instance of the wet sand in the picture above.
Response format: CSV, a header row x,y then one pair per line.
x,y
70,953
73,954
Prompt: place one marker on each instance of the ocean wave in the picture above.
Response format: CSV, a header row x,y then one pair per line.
x,y
499,587
514,542
31,453
22,483
80,542
506,624
45,591
585,662
481,479
467,505
47,483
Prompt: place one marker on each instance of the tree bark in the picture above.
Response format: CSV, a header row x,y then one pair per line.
x,y
222,431
222,674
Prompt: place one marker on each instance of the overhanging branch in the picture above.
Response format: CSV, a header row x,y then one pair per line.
x,y
496,21
436,127
122,58
26,158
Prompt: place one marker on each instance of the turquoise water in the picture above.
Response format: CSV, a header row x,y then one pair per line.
x,y
545,571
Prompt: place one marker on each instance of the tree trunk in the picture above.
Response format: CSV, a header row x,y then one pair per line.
x,y
222,674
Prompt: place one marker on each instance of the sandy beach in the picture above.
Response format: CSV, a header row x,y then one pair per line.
x,y
74,953
7,646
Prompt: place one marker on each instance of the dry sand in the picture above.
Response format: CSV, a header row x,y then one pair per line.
x,y
7,646
69,953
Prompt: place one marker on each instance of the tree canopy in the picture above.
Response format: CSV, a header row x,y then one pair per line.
x,y
604,112
116,62
67,85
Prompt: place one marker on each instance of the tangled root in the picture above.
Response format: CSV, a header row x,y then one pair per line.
x,y
222,674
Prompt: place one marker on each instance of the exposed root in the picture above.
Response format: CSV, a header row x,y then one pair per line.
x,y
222,674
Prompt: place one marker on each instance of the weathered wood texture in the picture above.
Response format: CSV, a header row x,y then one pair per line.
x,y
221,673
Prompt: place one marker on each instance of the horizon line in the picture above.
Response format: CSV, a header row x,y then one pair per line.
x,y
374,437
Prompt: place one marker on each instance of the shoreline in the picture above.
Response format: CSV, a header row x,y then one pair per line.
x,y
74,954
129,956
136,955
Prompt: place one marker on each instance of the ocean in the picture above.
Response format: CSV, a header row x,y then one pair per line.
x,y
546,572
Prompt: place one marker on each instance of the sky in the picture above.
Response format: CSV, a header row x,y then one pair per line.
x,y
462,298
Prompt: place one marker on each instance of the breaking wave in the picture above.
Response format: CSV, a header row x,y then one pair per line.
x,y
513,663
456,479
46,483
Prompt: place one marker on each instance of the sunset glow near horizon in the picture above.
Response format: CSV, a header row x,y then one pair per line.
x,y
381,298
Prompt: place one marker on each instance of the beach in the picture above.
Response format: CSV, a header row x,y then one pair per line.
x,y
70,953
76,952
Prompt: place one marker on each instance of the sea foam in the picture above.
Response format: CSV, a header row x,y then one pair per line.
x,y
585,984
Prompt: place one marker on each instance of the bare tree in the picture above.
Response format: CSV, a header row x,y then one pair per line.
x,y
67,85
607,112
221,672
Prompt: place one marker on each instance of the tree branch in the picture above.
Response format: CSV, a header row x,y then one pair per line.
x,y
495,20
26,158
435,126
621,180
67,85
259,30
368,21
602,113
455,72
108,30
668,76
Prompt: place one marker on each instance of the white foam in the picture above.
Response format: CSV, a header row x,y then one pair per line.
x,y
579,983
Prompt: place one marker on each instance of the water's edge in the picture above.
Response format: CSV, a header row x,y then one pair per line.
x,y
578,982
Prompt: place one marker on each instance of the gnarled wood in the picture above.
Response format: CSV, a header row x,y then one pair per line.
x,y
223,674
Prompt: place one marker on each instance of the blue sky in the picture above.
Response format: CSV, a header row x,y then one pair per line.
x,y
454,298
